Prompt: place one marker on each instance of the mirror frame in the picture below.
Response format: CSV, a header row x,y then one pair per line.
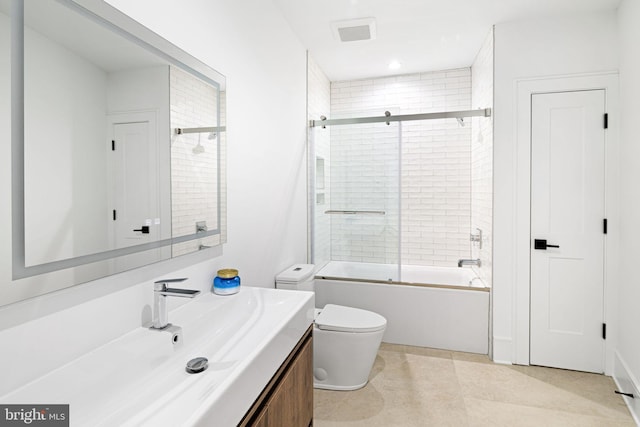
x,y
106,15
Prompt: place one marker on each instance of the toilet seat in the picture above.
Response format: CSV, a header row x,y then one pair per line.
x,y
348,319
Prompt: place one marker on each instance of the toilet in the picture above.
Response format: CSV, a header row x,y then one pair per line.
x,y
345,339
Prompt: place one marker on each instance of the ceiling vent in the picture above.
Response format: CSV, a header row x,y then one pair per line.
x,y
354,29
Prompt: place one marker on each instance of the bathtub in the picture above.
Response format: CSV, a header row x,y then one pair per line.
x,y
438,307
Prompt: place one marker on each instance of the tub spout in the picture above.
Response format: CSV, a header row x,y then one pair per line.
x,y
463,262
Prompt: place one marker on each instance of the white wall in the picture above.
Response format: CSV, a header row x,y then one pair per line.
x,y
628,352
265,67
525,49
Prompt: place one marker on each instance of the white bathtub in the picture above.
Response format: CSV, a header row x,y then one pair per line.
x,y
437,307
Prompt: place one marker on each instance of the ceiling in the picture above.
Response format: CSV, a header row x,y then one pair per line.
x,y
84,37
423,35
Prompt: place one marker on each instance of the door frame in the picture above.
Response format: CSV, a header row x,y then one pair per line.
x,y
522,233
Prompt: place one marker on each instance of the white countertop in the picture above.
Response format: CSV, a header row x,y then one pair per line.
x,y
140,378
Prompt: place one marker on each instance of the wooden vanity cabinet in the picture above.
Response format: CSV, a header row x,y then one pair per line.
x,y
287,401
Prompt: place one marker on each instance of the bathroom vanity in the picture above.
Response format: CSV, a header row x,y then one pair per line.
x,y
288,398
258,346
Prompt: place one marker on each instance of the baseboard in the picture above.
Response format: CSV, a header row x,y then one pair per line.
x,y
503,350
627,383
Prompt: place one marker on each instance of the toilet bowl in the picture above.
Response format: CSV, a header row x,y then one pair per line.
x,y
345,339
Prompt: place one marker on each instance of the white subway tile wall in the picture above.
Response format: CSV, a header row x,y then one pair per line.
x,y
482,158
194,175
428,179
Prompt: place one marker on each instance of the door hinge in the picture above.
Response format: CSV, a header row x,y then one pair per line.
x,y
604,331
114,214
113,145
604,226
606,120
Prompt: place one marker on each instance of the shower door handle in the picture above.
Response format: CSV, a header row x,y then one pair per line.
x,y
542,244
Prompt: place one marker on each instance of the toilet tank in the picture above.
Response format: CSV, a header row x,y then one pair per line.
x,y
297,277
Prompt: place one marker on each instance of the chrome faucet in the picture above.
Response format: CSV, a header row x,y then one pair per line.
x,y
462,262
160,294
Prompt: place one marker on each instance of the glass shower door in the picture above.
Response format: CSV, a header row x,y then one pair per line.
x,y
356,200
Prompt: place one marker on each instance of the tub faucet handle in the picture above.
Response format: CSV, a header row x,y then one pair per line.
x,y
476,238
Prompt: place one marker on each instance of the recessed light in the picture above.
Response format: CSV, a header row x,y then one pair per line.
x,y
394,65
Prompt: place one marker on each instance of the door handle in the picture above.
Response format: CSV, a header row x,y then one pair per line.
x,y
144,229
542,244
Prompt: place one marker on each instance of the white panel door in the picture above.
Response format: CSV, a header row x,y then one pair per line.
x,y
134,196
567,210
136,202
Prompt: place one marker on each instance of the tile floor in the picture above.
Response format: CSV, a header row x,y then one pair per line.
x,y
415,386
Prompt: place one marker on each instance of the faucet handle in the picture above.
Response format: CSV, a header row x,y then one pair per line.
x,y
161,285
172,280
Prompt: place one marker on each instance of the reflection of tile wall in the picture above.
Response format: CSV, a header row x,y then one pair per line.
x,y
482,157
194,177
435,164
319,104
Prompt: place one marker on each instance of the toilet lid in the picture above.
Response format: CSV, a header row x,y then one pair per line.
x,y
348,319
296,273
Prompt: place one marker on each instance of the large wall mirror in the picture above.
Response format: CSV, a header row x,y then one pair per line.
x,y
118,142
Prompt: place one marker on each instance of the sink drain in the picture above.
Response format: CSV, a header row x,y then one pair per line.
x,y
197,365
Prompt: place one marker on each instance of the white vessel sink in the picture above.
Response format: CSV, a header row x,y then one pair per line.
x,y
140,378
